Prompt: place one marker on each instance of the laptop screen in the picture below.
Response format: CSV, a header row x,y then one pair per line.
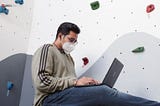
x,y
113,73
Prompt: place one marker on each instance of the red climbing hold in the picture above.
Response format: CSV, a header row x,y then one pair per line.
x,y
3,5
85,60
150,8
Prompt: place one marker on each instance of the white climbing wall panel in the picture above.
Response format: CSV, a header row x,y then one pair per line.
x,y
99,28
15,28
140,75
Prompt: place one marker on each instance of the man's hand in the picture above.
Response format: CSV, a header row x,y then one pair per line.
x,y
86,81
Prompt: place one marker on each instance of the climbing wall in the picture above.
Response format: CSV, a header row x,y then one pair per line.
x,y
103,23
15,26
140,74
11,72
100,25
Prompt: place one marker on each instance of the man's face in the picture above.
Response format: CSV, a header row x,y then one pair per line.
x,y
71,37
68,42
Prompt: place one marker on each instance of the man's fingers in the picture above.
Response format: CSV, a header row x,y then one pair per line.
x,y
89,80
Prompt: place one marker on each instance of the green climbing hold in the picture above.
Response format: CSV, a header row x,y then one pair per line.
x,y
95,5
138,50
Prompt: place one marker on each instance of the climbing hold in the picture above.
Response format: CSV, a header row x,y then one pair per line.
x,y
19,2
3,9
6,5
150,8
138,49
85,61
95,5
3,5
9,87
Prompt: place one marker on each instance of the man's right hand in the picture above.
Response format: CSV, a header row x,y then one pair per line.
x,y
86,81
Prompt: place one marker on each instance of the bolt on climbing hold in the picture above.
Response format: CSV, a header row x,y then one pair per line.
x,y
150,8
19,2
3,9
138,50
95,5
85,61
9,87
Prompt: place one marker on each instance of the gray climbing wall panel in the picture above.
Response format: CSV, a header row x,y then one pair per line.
x,y
11,69
27,95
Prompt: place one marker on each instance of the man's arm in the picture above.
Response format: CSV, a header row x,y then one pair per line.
x,y
45,81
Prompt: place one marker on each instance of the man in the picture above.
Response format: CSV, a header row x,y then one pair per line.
x,y
55,80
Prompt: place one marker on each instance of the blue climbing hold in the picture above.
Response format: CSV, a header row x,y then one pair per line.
x,y
9,85
19,2
4,10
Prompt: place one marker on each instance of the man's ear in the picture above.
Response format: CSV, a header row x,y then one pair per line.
x,y
60,36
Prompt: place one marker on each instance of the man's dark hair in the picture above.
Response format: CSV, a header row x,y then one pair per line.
x,y
66,27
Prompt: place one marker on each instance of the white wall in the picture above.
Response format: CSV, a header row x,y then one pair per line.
x,y
99,28
140,75
15,28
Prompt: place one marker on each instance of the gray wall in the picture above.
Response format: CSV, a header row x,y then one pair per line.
x,y
11,69
27,95
17,69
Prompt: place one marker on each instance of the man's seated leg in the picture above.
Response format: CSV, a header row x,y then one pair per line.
x,y
82,96
95,96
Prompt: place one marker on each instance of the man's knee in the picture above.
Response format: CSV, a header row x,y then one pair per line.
x,y
108,91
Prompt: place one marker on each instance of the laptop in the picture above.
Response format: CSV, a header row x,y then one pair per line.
x,y
111,76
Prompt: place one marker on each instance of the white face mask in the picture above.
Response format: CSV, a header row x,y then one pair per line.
x,y
68,47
